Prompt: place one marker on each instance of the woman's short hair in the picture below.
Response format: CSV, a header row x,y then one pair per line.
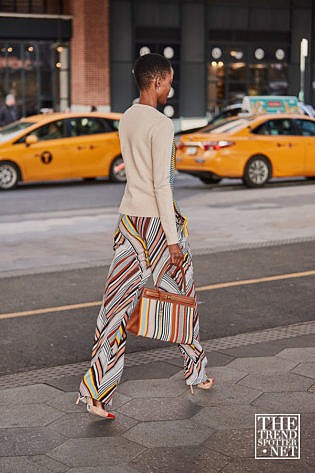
x,y
148,67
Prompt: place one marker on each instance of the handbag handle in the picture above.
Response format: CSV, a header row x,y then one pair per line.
x,y
166,266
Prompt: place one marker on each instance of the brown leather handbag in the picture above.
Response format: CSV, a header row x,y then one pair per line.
x,y
164,315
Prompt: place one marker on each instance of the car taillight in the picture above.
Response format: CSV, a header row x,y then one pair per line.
x,y
180,145
216,145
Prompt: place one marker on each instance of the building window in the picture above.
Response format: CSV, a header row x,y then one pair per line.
x,y
31,6
245,69
165,41
36,73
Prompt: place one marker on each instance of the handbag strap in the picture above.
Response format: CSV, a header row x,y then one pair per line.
x,y
167,266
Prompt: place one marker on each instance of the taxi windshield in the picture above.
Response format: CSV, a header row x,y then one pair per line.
x,y
10,131
216,125
232,126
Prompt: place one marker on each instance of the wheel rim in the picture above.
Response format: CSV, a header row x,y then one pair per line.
x,y
8,176
119,170
258,171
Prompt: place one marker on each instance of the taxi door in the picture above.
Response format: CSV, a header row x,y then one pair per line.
x,y
48,159
307,128
94,144
279,140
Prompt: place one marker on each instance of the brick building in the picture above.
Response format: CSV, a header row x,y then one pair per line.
x,y
78,53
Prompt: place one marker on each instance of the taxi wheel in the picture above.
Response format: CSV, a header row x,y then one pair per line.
x,y
210,180
257,171
9,175
117,171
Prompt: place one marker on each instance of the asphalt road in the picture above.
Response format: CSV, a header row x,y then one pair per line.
x,y
79,195
60,337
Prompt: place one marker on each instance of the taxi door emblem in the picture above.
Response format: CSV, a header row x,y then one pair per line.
x,y
46,157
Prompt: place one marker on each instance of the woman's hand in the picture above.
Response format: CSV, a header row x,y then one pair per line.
x,y
176,254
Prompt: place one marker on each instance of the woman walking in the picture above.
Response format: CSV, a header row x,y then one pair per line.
x,y
150,231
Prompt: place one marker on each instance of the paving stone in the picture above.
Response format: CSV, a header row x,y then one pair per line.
x,y
224,374
65,402
233,443
174,433
215,358
224,393
66,383
155,370
27,394
159,409
268,466
305,369
180,460
221,374
308,425
20,465
277,382
298,354
226,417
86,425
269,348
30,415
286,402
99,451
28,441
47,463
124,468
153,388
262,365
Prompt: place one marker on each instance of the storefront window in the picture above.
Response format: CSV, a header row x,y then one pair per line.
x,y
36,73
234,72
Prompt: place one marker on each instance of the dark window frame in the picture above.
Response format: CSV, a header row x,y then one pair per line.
x,y
294,125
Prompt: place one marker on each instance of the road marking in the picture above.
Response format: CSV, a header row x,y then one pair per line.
x,y
211,287
246,282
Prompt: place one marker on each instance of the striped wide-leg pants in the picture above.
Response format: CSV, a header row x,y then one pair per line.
x,y
137,242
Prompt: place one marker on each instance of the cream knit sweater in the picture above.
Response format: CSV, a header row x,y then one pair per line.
x,y
146,139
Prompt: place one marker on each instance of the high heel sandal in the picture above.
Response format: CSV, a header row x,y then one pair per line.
x,y
95,410
204,385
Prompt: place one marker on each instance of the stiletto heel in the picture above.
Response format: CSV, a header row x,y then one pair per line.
x,y
98,411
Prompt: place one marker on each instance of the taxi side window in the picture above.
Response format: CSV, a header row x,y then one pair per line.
x,y
306,126
262,129
82,126
277,127
51,131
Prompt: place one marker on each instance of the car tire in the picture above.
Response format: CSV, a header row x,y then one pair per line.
x,y
210,180
9,175
257,171
117,175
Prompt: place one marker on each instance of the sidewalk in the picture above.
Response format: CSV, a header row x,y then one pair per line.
x,y
160,427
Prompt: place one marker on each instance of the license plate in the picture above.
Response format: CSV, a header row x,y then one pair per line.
x,y
191,150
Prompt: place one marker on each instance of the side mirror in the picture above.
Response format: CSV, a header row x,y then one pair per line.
x,y
31,140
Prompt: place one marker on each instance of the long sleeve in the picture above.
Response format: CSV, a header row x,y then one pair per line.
x,y
161,149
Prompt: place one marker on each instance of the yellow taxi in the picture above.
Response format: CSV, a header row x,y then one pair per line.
x,y
61,146
254,149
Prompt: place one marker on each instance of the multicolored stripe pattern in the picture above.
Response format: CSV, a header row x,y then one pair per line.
x,y
165,321
127,276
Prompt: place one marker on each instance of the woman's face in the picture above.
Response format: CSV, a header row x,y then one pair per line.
x,y
163,87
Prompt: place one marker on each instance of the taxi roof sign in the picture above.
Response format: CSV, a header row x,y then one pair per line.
x,y
270,104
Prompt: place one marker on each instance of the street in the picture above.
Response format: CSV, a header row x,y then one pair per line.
x,y
56,247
